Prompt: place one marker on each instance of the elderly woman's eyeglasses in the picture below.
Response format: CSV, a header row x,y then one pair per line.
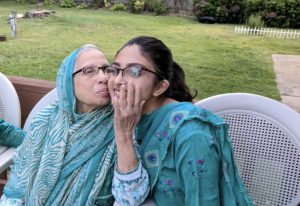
x,y
91,70
132,70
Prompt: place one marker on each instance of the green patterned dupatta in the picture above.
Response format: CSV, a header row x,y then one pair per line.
x,y
66,157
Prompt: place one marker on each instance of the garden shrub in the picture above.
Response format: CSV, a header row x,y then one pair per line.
x,y
204,8
136,6
255,21
223,11
67,3
236,11
118,7
159,7
156,6
221,14
98,3
276,13
83,6
49,2
106,3
254,7
28,1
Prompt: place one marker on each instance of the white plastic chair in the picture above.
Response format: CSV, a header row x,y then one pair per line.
x,y
266,140
10,111
44,101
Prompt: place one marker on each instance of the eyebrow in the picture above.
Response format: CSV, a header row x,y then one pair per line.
x,y
116,63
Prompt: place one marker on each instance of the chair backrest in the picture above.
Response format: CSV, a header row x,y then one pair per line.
x,y
44,101
10,109
266,140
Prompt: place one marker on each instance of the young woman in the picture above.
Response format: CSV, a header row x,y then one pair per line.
x,y
67,157
185,149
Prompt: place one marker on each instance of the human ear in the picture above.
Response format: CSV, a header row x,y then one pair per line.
x,y
161,87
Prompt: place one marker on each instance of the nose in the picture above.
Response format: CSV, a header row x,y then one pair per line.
x,y
119,79
101,77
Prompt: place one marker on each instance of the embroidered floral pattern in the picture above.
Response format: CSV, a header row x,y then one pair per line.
x,y
131,192
176,117
151,158
165,133
169,182
196,166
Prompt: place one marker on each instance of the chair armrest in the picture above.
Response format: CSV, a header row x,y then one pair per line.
x,y
6,155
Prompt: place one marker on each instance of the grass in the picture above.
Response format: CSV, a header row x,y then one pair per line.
x,y
214,58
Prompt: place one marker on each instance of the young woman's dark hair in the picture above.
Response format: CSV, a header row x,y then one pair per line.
x,y
161,57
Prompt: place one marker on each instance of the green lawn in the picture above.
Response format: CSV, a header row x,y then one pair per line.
x,y
214,58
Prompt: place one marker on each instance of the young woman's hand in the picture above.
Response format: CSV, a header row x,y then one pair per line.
x,y
128,108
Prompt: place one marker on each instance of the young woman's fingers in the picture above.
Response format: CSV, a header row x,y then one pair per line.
x,y
122,97
130,96
142,105
137,97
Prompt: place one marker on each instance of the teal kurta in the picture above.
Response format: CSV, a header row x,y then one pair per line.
x,y
189,157
10,135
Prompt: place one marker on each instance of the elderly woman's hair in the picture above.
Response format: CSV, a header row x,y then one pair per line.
x,y
161,57
83,49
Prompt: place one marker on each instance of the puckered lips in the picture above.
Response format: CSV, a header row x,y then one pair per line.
x,y
103,92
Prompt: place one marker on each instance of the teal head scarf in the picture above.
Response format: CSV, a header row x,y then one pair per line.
x,y
66,157
64,80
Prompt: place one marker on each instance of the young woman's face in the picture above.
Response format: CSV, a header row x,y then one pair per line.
x,y
135,70
91,89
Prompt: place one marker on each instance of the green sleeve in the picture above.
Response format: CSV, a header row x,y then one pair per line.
x,y
10,135
198,164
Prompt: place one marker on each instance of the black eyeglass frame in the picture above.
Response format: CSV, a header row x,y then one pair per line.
x,y
135,64
103,68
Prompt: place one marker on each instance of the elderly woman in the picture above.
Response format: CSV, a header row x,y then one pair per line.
x,y
68,155
185,149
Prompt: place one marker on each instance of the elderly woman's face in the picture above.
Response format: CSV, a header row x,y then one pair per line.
x,y
91,90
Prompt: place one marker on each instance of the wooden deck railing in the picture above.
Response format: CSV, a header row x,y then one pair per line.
x,y
30,91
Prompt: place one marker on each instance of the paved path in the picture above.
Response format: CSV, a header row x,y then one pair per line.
x,y
287,69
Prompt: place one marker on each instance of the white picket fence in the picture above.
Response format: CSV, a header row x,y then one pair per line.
x,y
269,32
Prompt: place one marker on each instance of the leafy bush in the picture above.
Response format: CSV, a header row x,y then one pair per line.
x,y
118,7
97,3
29,1
221,14
224,11
159,8
82,6
49,2
106,3
138,6
236,11
254,6
156,6
255,21
276,13
67,3
204,8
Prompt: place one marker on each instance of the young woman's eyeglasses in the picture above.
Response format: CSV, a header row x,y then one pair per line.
x,y
91,70
132,70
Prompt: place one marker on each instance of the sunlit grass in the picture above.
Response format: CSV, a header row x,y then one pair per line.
x,y
214,58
